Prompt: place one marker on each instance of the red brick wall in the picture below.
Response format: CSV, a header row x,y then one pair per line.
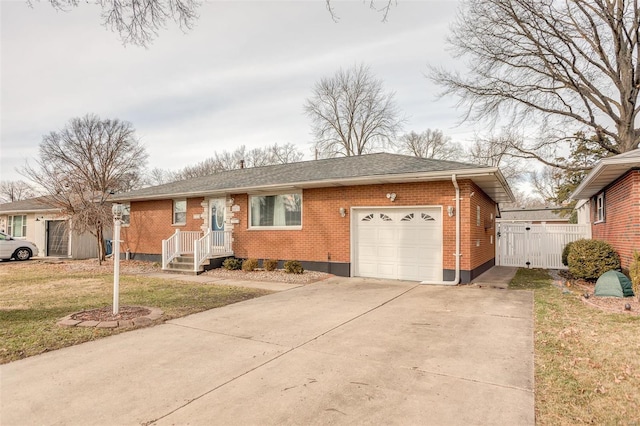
x,y
151,222
621,227
324,232
478,240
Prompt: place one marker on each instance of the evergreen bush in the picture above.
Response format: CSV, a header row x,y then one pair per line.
x,y
634,273
232,264
565,254
250,265
588,259
270,264
293,267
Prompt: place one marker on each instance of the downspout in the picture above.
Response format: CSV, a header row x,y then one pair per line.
x,y
457,254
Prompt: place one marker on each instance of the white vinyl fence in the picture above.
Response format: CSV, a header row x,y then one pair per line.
x,y
535,246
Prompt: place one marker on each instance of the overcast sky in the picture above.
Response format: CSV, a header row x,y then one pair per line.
x,y
241,76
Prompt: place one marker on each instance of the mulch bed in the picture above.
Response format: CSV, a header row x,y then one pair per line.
x,y
586,290
106,314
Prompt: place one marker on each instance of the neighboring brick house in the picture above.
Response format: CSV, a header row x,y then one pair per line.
x,y
377,215
611,195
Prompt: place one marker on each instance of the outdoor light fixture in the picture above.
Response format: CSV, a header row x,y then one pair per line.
x,y
116,210
343,211
391,196
450,211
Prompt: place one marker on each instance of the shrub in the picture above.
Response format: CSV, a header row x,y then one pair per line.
x,y
293,267
634,273
588,259
250,265
565,254
232,264
270,264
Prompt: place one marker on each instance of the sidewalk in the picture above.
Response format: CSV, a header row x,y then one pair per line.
x,y
496,277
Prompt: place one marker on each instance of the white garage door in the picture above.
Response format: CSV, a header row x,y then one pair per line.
x,y
398,243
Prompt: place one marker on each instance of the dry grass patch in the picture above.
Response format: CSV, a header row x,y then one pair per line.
x,y
34,296
587,361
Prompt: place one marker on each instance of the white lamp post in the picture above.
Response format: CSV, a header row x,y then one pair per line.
x,y
116,209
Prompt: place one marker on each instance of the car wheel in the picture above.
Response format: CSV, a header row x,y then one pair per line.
x,y
22,254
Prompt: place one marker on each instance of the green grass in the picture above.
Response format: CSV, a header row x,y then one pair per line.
x,y
587,362
32,300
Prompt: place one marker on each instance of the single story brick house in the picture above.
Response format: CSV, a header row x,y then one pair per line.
x,y
610,202
41,222
378,215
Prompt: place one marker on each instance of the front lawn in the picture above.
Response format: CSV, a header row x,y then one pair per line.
x,y
35,295
587,361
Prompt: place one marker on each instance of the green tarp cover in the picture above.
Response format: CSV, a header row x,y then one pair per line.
x,y
615,284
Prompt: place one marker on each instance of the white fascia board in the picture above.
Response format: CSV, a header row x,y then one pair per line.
x,y
360,180
589,186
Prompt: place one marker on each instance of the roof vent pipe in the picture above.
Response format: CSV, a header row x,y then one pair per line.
x,y
457,254
242,164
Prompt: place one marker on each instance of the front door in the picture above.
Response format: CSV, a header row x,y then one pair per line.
x,y
217,214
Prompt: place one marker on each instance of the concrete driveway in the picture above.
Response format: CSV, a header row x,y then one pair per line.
x,y
342,351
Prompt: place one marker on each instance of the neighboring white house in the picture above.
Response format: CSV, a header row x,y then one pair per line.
x,y
38,221
583,209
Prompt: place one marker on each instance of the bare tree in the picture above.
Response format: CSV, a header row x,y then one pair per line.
x,y
138,21
81,165
429,144
158,176
494,151
383,7
231,160
564,65
351,114
284,154
15,190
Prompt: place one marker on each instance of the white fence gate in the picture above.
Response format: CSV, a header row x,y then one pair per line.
x,y
535,246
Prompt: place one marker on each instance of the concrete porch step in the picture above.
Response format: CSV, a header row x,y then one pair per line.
x,y
184,264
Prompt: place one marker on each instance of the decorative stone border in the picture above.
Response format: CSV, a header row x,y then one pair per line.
x,y
142,321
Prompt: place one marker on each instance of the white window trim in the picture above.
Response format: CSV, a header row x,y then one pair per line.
x,y
600,211
24,227
251,227
173,212
122,223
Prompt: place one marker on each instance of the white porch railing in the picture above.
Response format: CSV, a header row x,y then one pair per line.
x,y
182,242
211,244
202,247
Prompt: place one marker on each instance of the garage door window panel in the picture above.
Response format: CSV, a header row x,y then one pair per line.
x,y
402,243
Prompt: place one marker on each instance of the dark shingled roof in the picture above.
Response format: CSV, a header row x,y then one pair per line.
x,y
25,206
315,173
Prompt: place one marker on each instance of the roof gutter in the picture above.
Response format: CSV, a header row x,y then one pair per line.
x,y
402,177
457,254
578,193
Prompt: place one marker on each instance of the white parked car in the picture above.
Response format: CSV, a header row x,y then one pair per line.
x,y
10,248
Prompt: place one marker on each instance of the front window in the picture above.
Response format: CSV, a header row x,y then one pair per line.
x,y
600,208
126,214
18,226
281,210
179,212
